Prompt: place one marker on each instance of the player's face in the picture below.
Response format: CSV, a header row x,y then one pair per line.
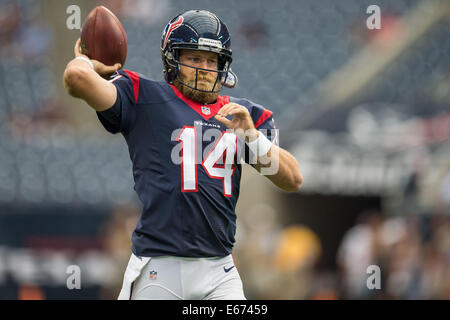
x,y
205,79
199,59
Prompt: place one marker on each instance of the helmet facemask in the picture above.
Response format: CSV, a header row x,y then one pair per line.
x,y
174,63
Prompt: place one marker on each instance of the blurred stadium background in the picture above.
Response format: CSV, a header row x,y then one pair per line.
x,y
366,113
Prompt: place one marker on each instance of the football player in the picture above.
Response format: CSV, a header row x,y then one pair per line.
x,y
185,142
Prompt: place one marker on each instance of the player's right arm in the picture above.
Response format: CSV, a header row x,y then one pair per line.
x,y
81,81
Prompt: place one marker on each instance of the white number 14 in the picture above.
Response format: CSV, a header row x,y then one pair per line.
x,y
226,147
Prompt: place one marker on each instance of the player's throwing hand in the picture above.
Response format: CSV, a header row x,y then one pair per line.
x,y
102,69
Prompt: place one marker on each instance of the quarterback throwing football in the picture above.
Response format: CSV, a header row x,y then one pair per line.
x,y
185,142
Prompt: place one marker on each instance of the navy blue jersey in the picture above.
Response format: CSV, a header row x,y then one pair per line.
x,y
186,166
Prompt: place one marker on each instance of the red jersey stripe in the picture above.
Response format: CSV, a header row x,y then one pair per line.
x,y
265,115
135,80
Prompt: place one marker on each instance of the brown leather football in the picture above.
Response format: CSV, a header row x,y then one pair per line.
x,y
103,37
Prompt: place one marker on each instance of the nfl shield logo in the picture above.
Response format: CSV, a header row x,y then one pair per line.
x,y
153,275
206,110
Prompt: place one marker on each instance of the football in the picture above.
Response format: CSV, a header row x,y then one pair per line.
x,y
103,37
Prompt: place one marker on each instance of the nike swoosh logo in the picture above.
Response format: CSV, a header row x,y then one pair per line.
x,y
227,270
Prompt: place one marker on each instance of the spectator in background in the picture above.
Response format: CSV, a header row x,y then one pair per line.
x,y
28,94
298,250
435,262
23,35
444,192
256,238
10,23
413,253
358,250
276,262
399,258
116,236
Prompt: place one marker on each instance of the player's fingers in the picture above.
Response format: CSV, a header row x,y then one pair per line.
x,y
223,120
113,68
77,48
226,108
222,110
236,110
98,66
104,69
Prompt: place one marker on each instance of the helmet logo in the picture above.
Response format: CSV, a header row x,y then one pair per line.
x,y
171,27
210,42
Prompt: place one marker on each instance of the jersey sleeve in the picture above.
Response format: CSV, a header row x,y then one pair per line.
x,y
265,123
120,117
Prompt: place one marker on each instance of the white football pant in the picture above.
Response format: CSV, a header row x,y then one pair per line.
x,y
177,278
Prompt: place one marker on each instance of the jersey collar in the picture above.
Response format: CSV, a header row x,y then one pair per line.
x,y
207,111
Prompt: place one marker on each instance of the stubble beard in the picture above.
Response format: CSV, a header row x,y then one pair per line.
x,y
196,95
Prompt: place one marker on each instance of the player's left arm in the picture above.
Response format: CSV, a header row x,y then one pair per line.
x,y
287,175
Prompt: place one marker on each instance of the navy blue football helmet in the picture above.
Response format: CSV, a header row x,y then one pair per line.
x,y
197,30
